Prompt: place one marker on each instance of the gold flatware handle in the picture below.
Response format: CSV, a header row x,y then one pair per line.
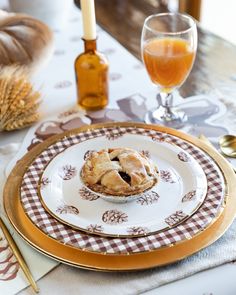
x,y
18,256
207,141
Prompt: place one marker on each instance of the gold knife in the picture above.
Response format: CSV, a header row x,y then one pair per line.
x,y
207,141
18,256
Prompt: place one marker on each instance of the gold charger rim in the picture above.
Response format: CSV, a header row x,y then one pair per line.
x,y
117,262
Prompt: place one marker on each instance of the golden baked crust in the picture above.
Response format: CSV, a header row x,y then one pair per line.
x,y
119,172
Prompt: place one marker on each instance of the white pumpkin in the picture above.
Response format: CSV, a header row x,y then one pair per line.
x,y
24,40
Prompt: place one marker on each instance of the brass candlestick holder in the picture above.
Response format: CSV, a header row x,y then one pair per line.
x,y
91,70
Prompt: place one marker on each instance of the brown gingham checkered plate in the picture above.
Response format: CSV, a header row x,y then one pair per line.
x,y
63,243
48,224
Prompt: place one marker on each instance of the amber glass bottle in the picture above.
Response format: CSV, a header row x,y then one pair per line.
x,y
91,70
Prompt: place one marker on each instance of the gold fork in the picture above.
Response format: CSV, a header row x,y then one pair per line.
x,y
18,256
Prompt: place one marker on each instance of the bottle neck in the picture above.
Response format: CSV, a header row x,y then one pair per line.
x,y
90,45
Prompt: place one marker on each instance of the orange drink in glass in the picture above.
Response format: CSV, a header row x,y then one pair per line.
x,y
169,43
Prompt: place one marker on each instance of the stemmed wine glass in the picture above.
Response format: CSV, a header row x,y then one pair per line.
x,y
168,46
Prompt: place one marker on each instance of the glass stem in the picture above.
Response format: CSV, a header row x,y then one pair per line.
x,y
165,101
166,113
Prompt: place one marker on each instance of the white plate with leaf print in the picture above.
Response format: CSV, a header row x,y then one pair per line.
x,y
180,191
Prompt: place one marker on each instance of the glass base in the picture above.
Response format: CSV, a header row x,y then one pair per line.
x,y
170,117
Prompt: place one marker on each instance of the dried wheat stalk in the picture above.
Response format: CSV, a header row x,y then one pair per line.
x,y
18,101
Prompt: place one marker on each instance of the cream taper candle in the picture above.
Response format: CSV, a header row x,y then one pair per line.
x,y
89,20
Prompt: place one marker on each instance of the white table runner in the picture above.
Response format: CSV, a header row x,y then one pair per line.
x,y
131,93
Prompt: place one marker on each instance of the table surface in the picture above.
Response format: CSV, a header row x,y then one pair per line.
x,y
123,20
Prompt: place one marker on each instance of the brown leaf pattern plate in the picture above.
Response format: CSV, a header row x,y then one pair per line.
x,y
66,198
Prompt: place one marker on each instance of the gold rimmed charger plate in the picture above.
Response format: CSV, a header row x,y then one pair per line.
x,y
116,262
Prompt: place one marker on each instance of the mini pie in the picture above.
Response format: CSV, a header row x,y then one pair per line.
x,y
119,172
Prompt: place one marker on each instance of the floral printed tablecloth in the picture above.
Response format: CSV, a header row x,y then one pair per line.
x,y
131,94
